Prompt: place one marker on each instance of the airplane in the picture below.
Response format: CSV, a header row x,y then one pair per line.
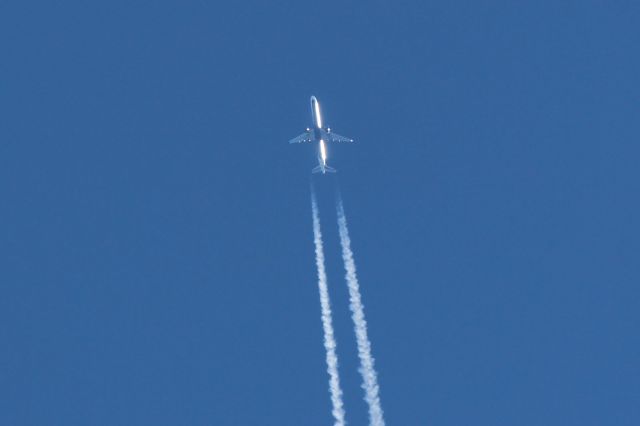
x,y
321,135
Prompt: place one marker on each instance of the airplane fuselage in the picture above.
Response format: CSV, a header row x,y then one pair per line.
x,y
319,133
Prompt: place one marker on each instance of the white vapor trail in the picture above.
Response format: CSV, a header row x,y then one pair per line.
x,y
367,370
327,326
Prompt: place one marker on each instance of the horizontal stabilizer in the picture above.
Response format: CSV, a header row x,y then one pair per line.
x,y
323,170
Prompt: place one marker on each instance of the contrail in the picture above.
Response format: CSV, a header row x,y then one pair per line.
x,y
329,340
367,370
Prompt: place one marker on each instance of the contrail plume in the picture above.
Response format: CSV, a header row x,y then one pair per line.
x,y
367,370
327,326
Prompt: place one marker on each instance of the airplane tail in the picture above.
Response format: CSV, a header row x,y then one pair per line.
x,y
323,170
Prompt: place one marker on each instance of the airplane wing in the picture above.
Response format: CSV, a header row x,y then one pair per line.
x,y
334,137
305,137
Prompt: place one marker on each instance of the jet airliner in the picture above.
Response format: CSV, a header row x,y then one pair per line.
x,y
319,134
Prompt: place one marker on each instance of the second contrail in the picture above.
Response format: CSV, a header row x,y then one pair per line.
x,y
367,370
327,324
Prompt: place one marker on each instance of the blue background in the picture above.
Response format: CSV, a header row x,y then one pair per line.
x,y
156,257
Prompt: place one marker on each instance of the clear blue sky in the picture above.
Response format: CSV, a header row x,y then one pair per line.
x,y
156,257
